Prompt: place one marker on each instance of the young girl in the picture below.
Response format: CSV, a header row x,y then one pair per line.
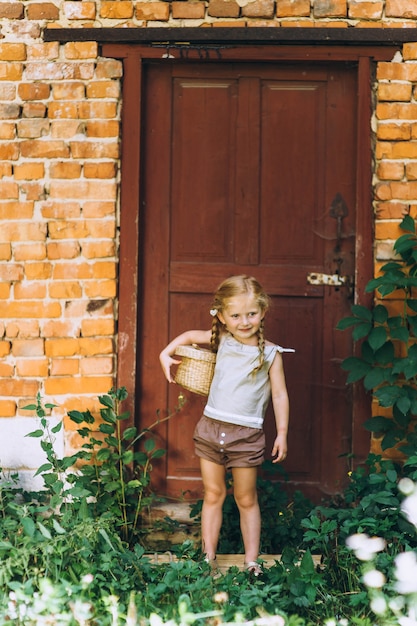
x,y
229,436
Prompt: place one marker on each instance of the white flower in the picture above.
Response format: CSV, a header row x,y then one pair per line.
x,y
406,572
406,486
409,508
365,547
374,579
378,605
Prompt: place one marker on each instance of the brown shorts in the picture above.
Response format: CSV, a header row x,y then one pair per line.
x,y
228,444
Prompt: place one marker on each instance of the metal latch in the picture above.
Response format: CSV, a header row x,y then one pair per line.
x,y
335,280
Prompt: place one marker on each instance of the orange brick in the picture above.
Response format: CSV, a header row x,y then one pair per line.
x,y
68,91
411,171
83,189
401,8
6,370
188,10
404,191
122,9
33,109
22,328
7,408
66,290
11,71
223,8
390,170
109,68
365,10
28,347
394,92
60,328
38,148
29,309
74,385
94,150
83,70
11,10
31,368
6,252
42,11
102,229
65,129
96,366
29,252
101,128
97,327
5,169
103,89
65,367
18,388
32,190
100,170
74,10
63,109
154,11
16,210
9,151
65,169
104,269
391,210
11,272
95,346
81,50
45,51
33,91
64,347
259,8
68,230
293,8
38,271
97,109
329,8
98,249
7,91
12,52
9,191
387,230
101,289
32,128
393,131
63,250
30,291
29,171
98,209
7,131
4,348
60,210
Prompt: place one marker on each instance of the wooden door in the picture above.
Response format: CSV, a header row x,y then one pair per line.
x,y
250,168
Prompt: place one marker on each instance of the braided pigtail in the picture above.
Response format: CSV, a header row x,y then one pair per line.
x,y
215,334
261,346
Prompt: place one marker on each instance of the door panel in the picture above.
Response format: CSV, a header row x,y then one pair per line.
x,y
242,166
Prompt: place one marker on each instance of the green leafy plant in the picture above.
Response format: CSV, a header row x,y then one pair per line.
x,y
387,363
109,475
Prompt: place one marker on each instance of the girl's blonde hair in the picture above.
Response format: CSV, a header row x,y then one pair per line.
x,y
230,288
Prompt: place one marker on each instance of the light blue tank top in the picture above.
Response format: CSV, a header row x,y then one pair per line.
x,y
238,395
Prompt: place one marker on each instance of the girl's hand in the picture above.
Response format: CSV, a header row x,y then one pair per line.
x,y
279,450
166,362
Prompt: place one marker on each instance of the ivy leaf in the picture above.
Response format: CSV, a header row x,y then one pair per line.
x,y
377,337
408,223
380,314
378,423
361,330
374,378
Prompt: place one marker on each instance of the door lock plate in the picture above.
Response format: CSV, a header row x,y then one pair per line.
x,y
335,280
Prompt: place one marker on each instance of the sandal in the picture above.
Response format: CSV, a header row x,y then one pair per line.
x,y
214,568
254,569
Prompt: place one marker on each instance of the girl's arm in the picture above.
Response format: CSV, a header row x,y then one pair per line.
x,y
185,339
281,407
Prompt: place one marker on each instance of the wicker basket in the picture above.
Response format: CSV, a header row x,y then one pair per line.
x,y
196,369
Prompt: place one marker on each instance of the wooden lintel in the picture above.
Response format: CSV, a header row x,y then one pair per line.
x,y
237,36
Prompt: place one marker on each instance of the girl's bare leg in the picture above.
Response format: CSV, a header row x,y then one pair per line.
x,y
214,483
244,488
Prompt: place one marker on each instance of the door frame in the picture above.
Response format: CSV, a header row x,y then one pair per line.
x,y
133,57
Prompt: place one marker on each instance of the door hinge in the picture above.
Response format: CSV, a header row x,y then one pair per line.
x,y
334,280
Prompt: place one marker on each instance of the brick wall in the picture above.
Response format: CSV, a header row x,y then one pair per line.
x,y
59,170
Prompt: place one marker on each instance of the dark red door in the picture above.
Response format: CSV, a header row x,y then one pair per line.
x,y
250,168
